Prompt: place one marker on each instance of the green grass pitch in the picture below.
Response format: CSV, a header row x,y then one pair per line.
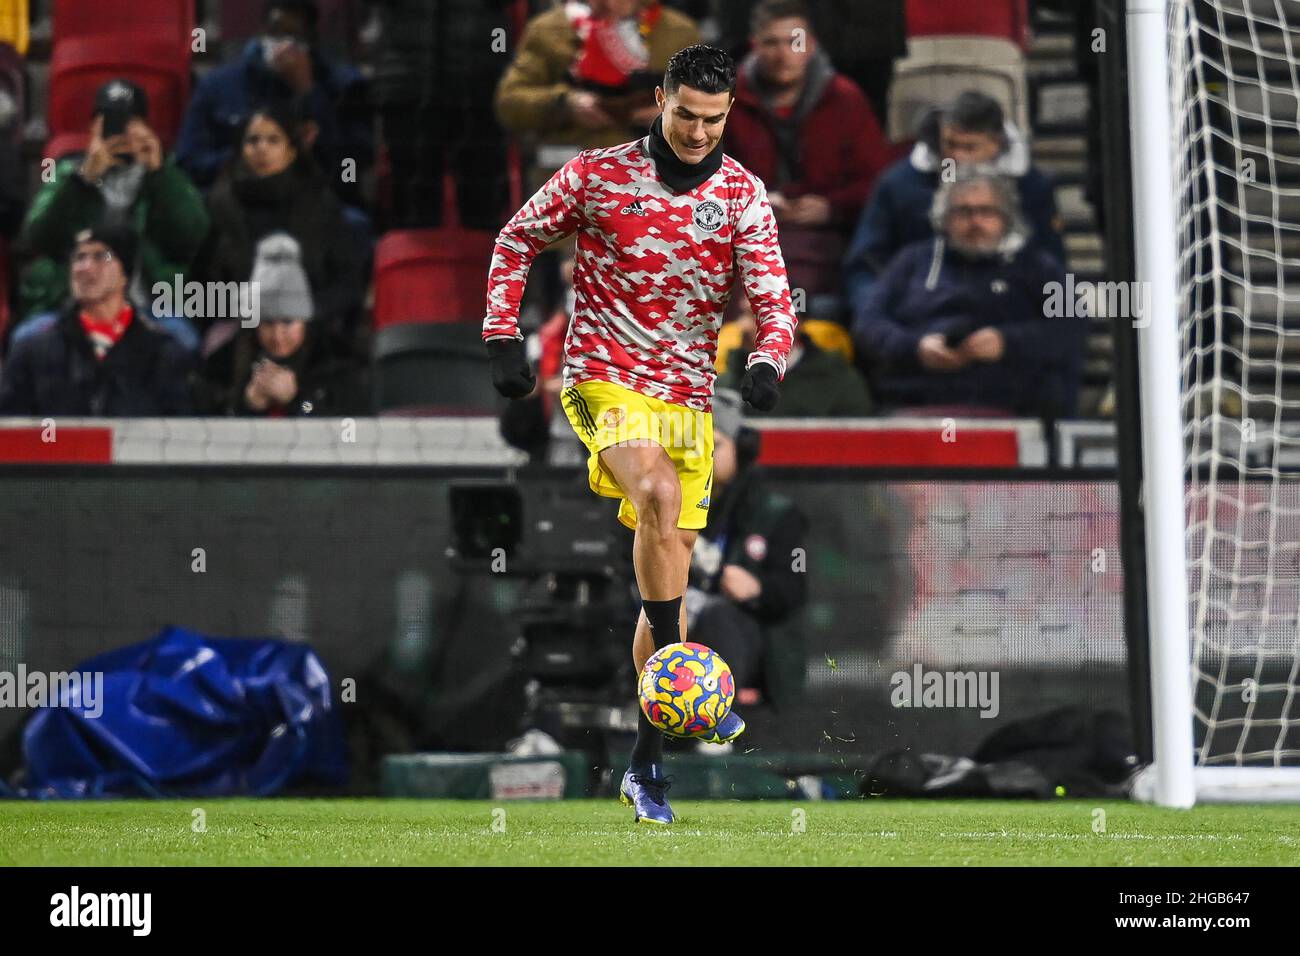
x,y
428,832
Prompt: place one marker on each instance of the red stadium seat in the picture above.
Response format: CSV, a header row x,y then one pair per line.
x,y
165,21
65,144
1007,19
431,275
81,65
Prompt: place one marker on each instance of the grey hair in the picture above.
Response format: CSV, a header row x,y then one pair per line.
x,y
1004,195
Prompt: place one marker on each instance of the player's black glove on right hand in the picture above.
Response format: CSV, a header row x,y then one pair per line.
x,y
511,374
758,387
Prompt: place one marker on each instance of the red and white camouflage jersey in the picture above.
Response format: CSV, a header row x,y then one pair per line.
x,y
653,273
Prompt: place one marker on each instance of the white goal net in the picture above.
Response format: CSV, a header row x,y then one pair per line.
x,y
1235,72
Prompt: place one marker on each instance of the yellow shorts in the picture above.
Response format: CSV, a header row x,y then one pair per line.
x,y
605,414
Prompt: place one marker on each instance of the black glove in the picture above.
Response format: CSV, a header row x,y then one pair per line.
x,y
758,387
512,376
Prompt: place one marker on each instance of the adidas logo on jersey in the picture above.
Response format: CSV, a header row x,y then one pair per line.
x,y
703,502
635,208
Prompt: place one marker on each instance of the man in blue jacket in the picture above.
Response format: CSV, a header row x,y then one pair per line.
x,y
972,131
959,324
281,65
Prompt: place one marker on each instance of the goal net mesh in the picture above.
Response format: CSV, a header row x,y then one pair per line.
x,y
1235,74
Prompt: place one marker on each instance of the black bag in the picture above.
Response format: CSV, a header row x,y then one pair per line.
x,y
1088,753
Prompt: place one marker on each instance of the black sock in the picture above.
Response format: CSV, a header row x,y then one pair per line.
x,y
649,746
665,621
664,618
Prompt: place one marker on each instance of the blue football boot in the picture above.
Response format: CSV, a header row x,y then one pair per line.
x,y
646,792
728,729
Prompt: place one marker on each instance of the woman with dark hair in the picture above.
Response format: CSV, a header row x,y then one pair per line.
x,y
272,185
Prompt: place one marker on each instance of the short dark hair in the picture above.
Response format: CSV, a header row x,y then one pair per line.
x,y
975,112
702,68
770,10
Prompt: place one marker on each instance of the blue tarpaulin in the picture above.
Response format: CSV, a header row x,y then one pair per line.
x,y
185,714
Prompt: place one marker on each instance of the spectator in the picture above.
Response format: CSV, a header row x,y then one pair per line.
x,y
283,66
960,319
817,384
434,83
810,135
281,367
863,39
971,131
123,178
273,186
742,586
584,74
100,357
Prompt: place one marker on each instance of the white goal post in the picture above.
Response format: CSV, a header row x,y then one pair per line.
x,y
1214,97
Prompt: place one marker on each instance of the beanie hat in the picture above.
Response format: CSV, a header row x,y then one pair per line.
x,y
283,289
120,240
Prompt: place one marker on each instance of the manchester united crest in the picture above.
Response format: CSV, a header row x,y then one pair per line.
x,y
709,216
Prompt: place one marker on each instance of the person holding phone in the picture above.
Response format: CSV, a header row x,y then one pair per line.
x,y
123,148
964,323
123,178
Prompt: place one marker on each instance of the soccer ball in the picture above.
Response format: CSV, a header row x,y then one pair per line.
x,y
686,690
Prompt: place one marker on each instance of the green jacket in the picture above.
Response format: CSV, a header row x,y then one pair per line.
x,y
170,218
821,385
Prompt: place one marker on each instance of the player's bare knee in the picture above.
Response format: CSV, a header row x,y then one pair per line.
x,y
661,502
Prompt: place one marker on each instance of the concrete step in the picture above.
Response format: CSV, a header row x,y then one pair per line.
x,y
1062,103
1084,244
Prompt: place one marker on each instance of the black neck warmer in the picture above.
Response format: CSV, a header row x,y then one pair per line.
x,y
678,176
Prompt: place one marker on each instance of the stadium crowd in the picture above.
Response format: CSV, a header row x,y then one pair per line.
x,y
919,263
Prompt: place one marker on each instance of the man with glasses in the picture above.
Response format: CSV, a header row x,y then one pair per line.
x,y
962,324
124,178
99,357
